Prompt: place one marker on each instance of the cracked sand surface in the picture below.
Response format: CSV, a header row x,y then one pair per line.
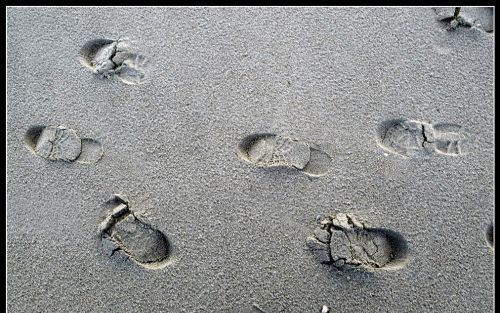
x,y
344,241
59,143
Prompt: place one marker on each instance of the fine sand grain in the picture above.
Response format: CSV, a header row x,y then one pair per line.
x,y
225,137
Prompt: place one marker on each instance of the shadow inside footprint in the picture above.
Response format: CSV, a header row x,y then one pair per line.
x,y
141,242
58,143
489,235
32,135
268,150
345,243
94,51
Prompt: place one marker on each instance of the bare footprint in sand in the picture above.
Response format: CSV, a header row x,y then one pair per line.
x,y
345,242
107,58
410,138
268,150
58,143
123,231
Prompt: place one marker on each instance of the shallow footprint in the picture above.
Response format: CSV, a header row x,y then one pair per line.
x,y
449,139
268,150
345,242
404,137
411,138
58,143
141,242
107,58
92,151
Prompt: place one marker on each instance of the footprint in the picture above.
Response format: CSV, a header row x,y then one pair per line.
x,y
92,151
141,242
467,17
489,235
345,242
56,143
405,137
449,138
451,18
268,150
410,138
107,58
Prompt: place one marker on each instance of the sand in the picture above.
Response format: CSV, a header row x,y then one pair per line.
x,y
331,80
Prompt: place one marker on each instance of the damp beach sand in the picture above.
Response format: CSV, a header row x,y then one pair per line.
x,y
250,159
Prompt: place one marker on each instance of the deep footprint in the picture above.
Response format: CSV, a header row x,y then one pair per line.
x,y
411,138
58,143
268,150
345,242
107,58
141,242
